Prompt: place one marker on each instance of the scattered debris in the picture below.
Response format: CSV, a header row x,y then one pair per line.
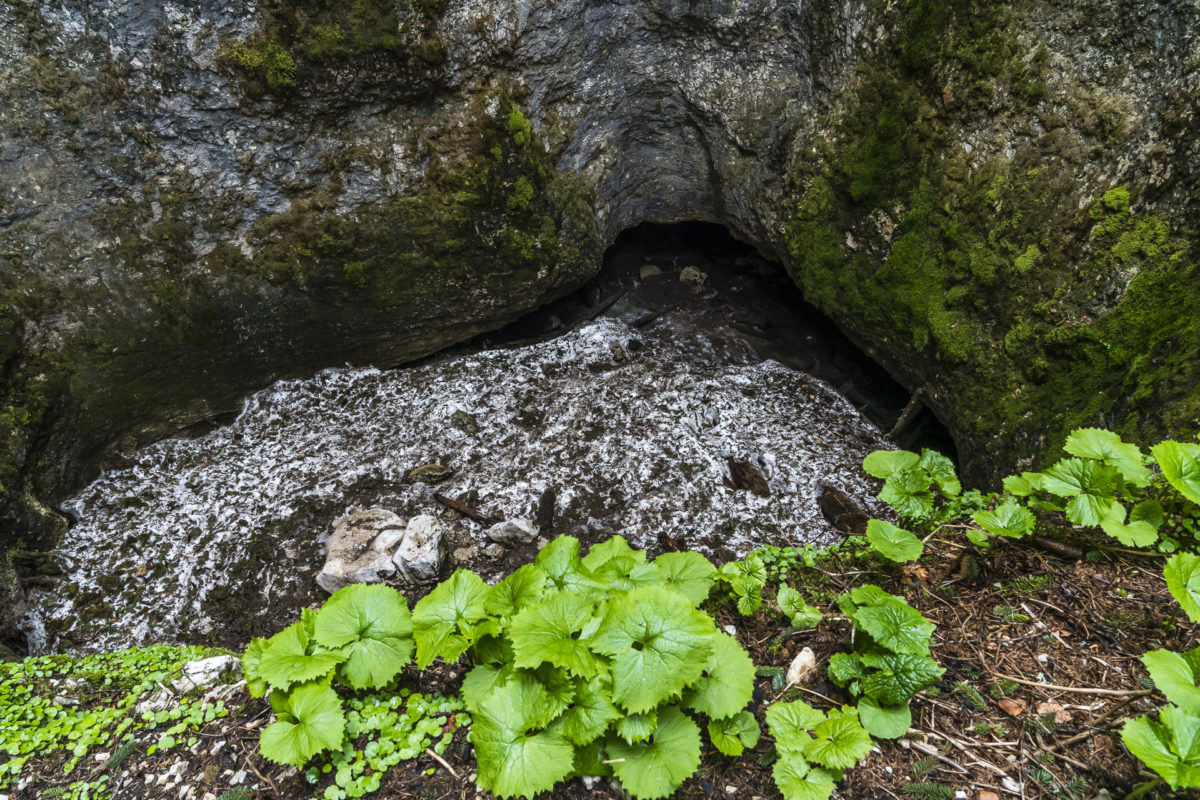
x,y
513,531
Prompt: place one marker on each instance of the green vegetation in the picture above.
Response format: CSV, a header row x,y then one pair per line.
x,y
37,721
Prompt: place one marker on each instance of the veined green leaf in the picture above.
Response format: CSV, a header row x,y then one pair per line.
x,y
840,741
310,722
728,683
1172,675
1019,485
560,689
893,543
941,469
287,658
636,728
563,567
658,642
256,684
897,626
1138,533
1107,447
657,768
897,677
589,717
1183,580
1008,519
908,493
1090,510
790,724
1075,476
883,721
797,781
793,604
551,632
1180,465
886,463
689,573
449,619
845,669
732,735
521,588
614,548
371,625
1170,747
481,682
511,760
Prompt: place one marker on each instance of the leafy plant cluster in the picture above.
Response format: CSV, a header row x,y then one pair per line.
x,y
184,717
580,666
58,704
890,662
1169,746
1139,499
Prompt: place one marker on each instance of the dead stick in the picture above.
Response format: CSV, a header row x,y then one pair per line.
x,y
429,752
465,510
1077,689
906,416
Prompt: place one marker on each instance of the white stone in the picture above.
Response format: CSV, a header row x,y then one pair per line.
x,y
360,549
731,630
513,531
238,778
419,557
207,672
801,667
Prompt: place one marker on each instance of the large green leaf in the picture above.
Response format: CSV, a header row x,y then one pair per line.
x,y
1007,519
636,728
256,684
790,724
727,684
287,657
846,669
1183,580
733,735
521,588
310,722
886,463
897,677
892,542
511,759
897,626
615,548
689,573
1180,465
551,632
1138,533
839,742
882,721
658,767
1171,748
659,644
792,603
371,625
1091,485
451,618
480,682
941,469
908,493
590,715
1174,678
1107,447
797,781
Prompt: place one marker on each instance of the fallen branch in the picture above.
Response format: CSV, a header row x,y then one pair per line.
x,y
429,752
1077,689
465,510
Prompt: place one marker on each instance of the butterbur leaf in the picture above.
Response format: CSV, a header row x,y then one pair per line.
x,y
512,760
797,781
481,682
589,717
523,587
1183,580
1150,511
449,619
689,573
790,724
1007,519
1180,465
747,604
883,721
256,684
908,493
1107,447
897,677
659,644
657,768
550,632
893,543
801,613
845,669
615,548
287,660
1138,533
371,625
1090,510
941,469
886,463
560,691
1173,677
1019,485
727,684
839,742
637,727
563,567
897,626
310,722
1091,485
1171,747
733,735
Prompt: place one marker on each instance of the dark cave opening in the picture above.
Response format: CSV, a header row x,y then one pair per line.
x,y
702,269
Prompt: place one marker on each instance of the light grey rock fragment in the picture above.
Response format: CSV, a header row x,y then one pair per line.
x,y
513,531
419,557
208,672
360,549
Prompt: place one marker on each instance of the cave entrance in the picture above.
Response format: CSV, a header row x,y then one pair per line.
x,y
742,300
